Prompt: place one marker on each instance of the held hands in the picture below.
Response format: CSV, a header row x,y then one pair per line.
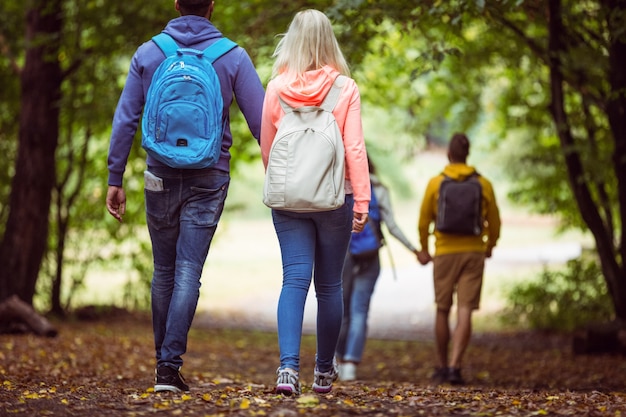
x,y
116,202
424,257
359,220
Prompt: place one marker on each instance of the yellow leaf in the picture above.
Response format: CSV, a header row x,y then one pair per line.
x,y
397,398
483,375
245,404
65,401
349,402
552,397
207,397
185,397
308,401
162,405
260,401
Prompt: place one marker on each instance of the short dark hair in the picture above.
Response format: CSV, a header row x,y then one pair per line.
x,y
458,148
194,7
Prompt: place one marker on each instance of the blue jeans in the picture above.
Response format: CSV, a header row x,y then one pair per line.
x,y
182,219
311,244
359,280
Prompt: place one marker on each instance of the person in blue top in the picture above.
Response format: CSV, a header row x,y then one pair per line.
x,y
358,281
183,206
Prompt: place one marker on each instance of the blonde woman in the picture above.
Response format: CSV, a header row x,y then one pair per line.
x,y
313,244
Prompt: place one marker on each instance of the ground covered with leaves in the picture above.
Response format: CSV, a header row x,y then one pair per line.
x,y
106,368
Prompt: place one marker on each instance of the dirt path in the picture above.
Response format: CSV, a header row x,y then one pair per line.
x,y
245,294
106,368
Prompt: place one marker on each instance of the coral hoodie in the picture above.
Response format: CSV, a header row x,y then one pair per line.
x,y
347,112
449,243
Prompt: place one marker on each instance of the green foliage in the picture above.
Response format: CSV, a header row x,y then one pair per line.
x,y
425,69
561,300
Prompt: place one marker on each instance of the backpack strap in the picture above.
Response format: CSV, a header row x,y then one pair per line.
x,y
166,43
286,107
330,101
219,48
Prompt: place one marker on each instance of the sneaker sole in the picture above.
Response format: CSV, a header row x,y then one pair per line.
x,y
163,387
285,389
322,390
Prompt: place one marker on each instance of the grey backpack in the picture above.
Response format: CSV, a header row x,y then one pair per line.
x,y
306,165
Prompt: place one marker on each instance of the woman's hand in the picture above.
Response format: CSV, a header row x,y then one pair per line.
x,y
359,220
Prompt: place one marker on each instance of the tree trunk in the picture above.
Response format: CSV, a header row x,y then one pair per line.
x,y
16,314
616,111
26,232
613,271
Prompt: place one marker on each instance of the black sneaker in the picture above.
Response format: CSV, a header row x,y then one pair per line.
x,y
440,376
169,379
454,376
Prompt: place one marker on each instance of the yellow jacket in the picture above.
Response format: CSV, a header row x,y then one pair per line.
x,y
449,243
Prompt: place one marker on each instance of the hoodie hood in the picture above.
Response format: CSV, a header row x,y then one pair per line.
x,y
458,171
191,30
308,91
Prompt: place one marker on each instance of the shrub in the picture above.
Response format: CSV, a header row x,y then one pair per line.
x,y
561,300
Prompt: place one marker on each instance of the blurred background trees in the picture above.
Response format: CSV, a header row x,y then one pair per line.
x,y
539,84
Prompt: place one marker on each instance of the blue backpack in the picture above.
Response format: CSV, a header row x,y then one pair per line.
x,y
365,245
182,120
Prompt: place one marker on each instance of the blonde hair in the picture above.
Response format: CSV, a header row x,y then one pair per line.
x,y
309,44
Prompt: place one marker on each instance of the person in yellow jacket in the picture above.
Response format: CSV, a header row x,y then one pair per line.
x,y
458,261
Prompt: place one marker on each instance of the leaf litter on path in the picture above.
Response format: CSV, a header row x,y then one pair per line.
x,y
107,369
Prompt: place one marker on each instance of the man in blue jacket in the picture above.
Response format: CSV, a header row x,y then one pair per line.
x,y
183,206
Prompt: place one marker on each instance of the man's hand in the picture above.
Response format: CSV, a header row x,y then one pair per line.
x,y
424,257
359,220
116,202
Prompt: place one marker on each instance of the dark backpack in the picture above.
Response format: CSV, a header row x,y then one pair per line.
x,y
459,208
365,245
182,121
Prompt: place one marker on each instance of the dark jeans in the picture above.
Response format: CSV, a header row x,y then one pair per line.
x,y
359,280
182,219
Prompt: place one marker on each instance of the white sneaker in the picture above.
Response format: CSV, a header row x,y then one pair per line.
x,y
288,382
324,380
347,371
